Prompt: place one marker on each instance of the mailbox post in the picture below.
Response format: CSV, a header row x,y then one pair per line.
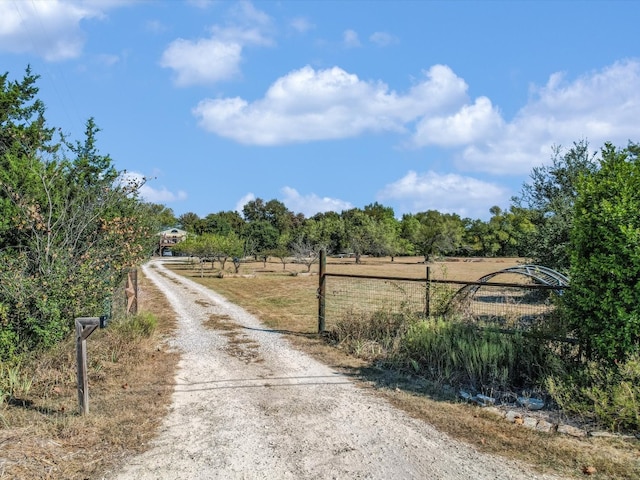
x,y
85,327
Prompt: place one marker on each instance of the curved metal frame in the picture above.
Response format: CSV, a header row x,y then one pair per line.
x,y
541,275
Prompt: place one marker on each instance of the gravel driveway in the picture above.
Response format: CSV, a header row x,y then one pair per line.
x,y
248,406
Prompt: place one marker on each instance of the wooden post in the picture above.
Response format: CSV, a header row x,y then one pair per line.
x,y
84,327
321,290
428,290
131,292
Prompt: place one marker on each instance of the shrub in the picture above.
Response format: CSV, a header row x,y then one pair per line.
x,y
461,354
603,304
606,394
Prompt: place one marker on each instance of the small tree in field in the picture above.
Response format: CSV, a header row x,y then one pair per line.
x,y
603,304
306,253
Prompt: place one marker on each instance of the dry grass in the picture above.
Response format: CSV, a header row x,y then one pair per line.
x,y
287,303
42,436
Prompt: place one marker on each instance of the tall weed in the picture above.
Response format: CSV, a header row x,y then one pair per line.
x,y
13,383
607,394
372,335
459,353
141,325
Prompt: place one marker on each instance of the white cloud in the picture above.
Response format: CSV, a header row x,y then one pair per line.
x,y
162,195
202,62
313,105
448,193
470,123
599,106
382,39
311,204
50,29
308,105
244,12
350,39
217,58
249,197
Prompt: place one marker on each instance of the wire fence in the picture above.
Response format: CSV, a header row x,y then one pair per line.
x,y
347,295
509,306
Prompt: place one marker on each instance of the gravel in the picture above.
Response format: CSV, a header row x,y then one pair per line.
x,y
247,405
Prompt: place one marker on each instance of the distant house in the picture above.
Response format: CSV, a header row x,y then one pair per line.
x,y
168,238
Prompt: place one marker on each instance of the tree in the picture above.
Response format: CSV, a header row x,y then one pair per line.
x,y
23,133
71,224
223,223
160,216
260,236
274,212
359,231
432,232
550,195
190,222
505,234
281,250
305,252
325,230
603,304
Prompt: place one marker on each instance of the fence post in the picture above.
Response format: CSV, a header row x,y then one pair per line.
x,y
428,293
131,292
84,327
321,290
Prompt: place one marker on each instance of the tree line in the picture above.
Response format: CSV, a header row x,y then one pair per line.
x,y
577,214
266,228
536,225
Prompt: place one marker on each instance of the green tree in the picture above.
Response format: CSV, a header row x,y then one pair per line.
x,y
274,212
72,224
360,232
505,234
325,230
550,195
432,232
160,216
603,304
23,134
223,223
190,222
260,236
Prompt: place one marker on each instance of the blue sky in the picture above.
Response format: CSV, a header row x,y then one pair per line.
x,y
329,105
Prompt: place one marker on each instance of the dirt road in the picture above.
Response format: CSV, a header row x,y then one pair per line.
x,y
248,406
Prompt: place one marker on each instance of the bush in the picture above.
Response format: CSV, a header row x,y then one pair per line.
x,y
603,393
603,304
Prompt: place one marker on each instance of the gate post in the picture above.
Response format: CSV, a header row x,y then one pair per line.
x,y
428,290
321,290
